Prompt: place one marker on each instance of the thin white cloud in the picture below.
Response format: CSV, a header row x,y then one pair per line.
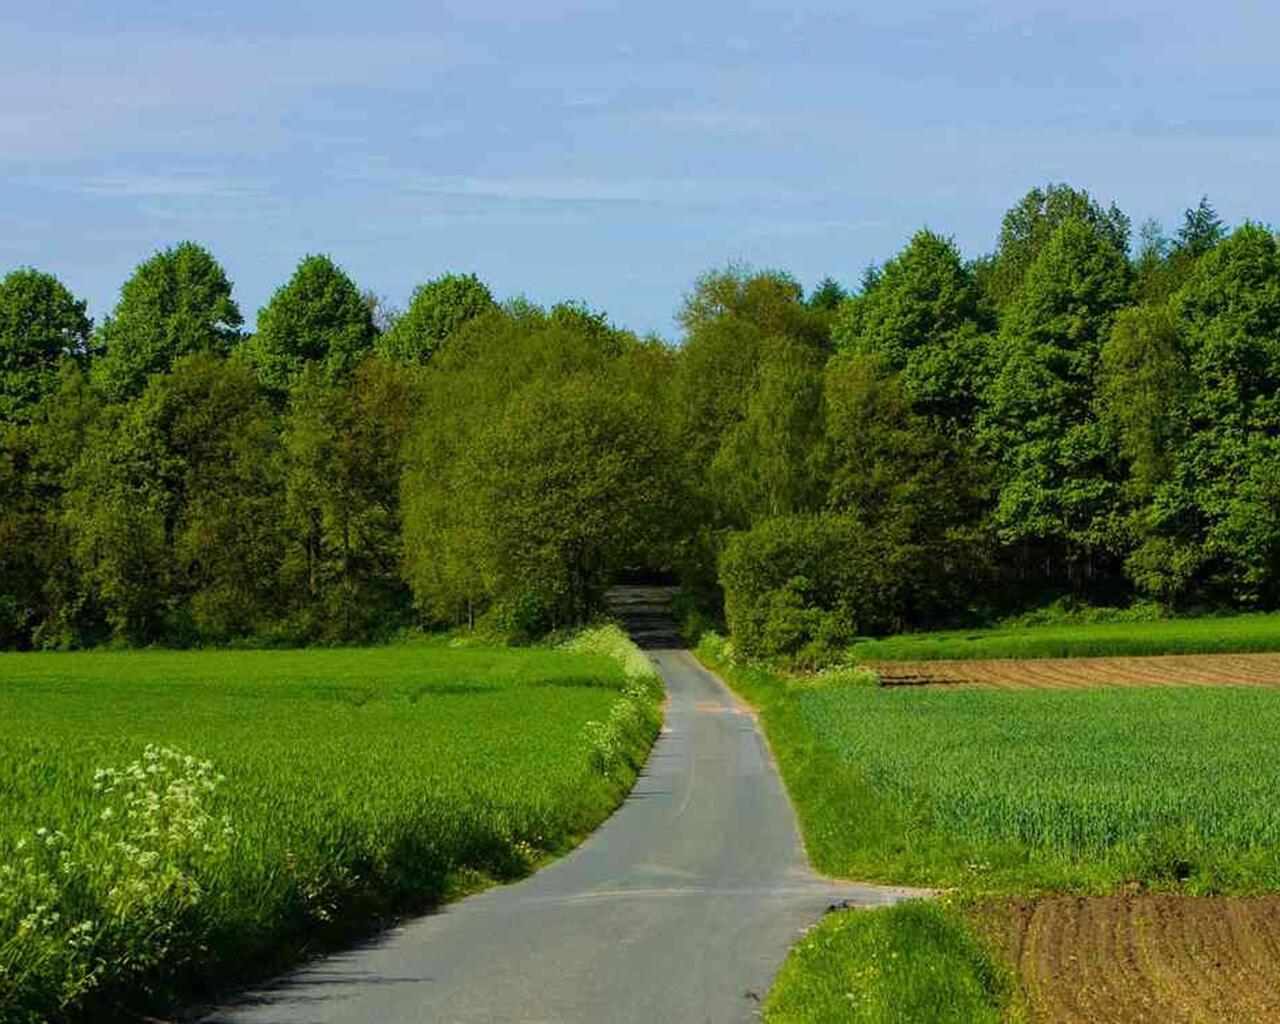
x,y
574,188
149,186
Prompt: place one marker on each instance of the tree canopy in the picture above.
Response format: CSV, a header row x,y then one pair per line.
x,y
176,304
319,317
41,323
954,441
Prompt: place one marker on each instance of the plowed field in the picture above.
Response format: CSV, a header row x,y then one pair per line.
x,y
1078,673
1148,957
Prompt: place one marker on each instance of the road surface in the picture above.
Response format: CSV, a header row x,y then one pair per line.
x,y
681,907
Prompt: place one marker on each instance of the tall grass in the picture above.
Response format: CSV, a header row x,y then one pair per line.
x,y
1225,635
174,820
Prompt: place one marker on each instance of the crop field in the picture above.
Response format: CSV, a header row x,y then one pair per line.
x,y
170,816
1212,635
1119,841
1087,673
1092,785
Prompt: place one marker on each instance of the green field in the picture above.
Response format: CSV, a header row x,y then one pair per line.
x,y
1211,635
1007,789
171,816
1006,792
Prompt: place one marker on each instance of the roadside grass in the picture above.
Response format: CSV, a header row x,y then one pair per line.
x,y
993,790
1235,634
908,963
174,821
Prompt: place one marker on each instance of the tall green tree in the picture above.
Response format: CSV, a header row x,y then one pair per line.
x,y
827,296
729,318
437,309
173,507
1201,229
319,317
343,445
537,466
1032,222
924,320
1058,468
1211,524
176,304
765,465
41,323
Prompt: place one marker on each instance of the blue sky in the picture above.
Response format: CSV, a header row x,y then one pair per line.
x,y
607,153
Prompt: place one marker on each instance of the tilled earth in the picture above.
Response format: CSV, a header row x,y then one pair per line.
x,y
1079,673
1141,957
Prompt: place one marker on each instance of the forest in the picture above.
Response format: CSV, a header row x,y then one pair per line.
x,y
1079,416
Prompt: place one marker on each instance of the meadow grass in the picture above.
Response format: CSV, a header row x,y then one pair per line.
x,y
1212,635
1008,790
907,963
177,819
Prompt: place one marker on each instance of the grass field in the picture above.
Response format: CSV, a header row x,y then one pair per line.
x,y
171,817
1214,635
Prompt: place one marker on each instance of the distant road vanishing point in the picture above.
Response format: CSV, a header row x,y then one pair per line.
x,y
681,907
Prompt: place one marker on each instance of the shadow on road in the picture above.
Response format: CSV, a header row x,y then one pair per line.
x,y
645,613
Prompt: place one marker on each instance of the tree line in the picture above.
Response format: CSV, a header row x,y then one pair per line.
x,y
1076,413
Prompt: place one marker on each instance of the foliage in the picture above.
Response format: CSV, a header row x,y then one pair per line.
x,y
541,470
914,961
41,323
437,309
178,303
797,582
319,317
171,507
1031,223
342,448
1210,525
731,318
158,840
924,320
827,296
765,465
1057,464
1053,418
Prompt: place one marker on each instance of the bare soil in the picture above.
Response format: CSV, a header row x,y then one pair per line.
x,y
1078,673
1142,957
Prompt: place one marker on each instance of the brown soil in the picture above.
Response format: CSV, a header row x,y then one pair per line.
x,y
1075,673
1145,957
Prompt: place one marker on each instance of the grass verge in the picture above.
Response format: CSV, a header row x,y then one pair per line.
x,y
908,963
175,820
1219,635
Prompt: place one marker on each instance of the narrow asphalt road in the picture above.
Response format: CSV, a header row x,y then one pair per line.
x,y
681,907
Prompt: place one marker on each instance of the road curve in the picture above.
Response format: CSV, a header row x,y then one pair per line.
x,y
679,908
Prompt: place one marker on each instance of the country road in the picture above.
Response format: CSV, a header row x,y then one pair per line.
x,y
681,906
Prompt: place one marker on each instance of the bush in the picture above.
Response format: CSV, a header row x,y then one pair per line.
x,y
806,583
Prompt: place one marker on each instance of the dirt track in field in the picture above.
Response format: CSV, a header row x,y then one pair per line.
x,y
1079,673
1147,957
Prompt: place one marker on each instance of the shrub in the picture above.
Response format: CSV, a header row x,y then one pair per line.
x,y
794,582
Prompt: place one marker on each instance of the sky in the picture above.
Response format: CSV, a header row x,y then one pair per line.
x,y
607,153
